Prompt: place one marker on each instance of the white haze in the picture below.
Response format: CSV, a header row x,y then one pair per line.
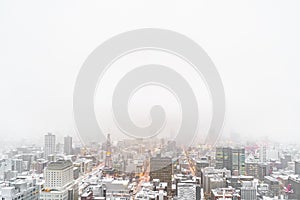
x,y
255,46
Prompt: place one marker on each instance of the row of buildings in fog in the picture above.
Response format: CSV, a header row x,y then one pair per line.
x,y
50,145
155,169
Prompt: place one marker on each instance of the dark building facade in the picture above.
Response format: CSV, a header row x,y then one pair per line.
x,y
232,159
238,161
224,158
161,168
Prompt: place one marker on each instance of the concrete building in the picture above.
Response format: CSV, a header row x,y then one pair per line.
x,y
263,153
17,165
297,167
273,183
214,178
224,193
22,188
40,165
68,149
200,164
59,181
238,181
295,183
188,191
49,143
248,193
263,170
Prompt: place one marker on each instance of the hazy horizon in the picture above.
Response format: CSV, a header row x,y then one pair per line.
x,y
253,44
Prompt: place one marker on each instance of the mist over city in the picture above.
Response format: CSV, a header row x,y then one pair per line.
x,y
149,100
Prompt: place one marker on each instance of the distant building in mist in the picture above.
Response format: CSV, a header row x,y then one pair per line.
x,y
297,167
263,154
49,147
68,150
17,165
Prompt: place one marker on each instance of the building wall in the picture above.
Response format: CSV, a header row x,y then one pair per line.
x,y
49,147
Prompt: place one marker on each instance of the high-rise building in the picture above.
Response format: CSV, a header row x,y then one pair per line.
x,y
17,165
238,161
108,158
161,168
49,148
285,160
59,181
224,158
297,167
58,174
200,164
68,150
263,153
272,153
232,159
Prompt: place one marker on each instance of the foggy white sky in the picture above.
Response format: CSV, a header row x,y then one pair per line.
x,y
255,46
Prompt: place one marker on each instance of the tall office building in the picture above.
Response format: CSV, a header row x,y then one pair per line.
x,y
200,165
224,158
161,168
17,165
68,150
59,181
238,161
49,148
263,154
285,160
232,159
